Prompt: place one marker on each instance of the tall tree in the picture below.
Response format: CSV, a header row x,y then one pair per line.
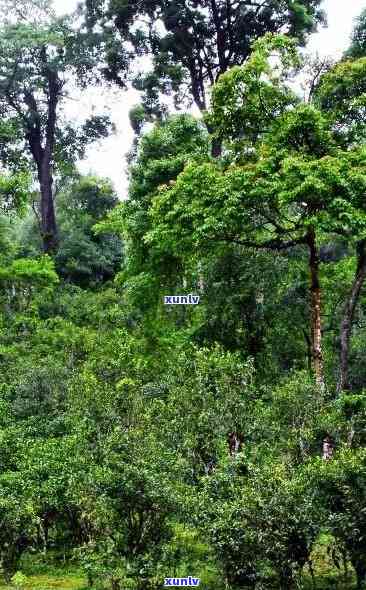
x,y
348,315
37,65
341,95
162,154
193,42
299,181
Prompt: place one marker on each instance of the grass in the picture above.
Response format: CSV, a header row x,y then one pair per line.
x,y
53,580
327,576
44,576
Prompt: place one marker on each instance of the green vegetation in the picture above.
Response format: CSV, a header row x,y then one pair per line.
x,y
54,579
227,440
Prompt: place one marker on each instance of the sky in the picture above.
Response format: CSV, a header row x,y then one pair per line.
x,y
107,158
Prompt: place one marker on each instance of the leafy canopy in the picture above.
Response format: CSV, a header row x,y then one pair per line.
x,y
192,42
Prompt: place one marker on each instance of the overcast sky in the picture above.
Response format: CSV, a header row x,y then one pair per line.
x,y
108,158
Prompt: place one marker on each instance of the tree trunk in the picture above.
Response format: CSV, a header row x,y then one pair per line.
x,y
216,148
216,142
286,578
348,316
41,143
48,217
315,309
115,584
360,570
309,355
49,227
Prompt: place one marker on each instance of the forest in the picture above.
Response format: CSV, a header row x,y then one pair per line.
x,y
145,444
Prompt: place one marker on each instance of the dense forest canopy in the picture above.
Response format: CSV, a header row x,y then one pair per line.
x,y
144,444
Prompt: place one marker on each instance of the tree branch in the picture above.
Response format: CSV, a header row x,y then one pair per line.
x,y
275,244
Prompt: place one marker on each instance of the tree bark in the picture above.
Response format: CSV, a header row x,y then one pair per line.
x,y
50,234
216,148
309,350
48,217
315,309
216,143
43,160
360,570
348,317
41,143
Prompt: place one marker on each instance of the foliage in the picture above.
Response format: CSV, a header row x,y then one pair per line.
x,y
83,257
342,490
140,441
27,54
36,67
198,42
161,156
14,190
19,580
357,47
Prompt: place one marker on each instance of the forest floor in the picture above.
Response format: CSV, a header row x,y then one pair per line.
x,y
41,576
62,581
52,580
327,575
